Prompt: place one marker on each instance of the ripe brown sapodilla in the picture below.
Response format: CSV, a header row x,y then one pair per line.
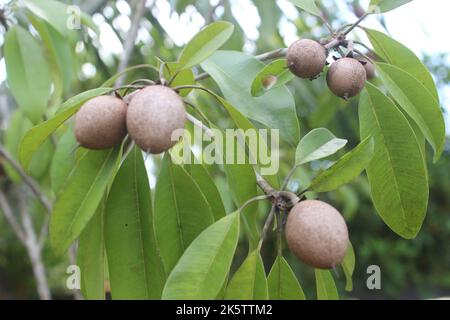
x,y
317,234
306,58
368,66
346,77
100,123
153,114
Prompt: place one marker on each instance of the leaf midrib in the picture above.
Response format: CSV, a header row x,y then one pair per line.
x,y
89,191
372,107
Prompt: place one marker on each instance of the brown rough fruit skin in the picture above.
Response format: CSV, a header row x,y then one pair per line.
x,y
100,123
317,234
153,114
306,58
346,77
369,67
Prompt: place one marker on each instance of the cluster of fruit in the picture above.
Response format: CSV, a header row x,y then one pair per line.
x,y
346,77
149,117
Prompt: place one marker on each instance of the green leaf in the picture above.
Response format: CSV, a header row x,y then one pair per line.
x,y
249,282
395,53
27,70
36,136
58,53
204,43
181,212
282,282
307,5
271,76
206,184
135,266
110,82
397,174
317,144
325,286
234,72
241,180
204,266
18,125
243,123
418,103
54,12
63,160
348,265
380,6
91,257
181,78
345,169
76,203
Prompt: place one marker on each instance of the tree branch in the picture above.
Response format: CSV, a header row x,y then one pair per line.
x,y
9,215
139,10
33,248
27,179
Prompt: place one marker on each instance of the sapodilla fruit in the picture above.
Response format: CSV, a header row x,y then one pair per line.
x,y
154,113
346,77
306,58
317,234
100,123
368,66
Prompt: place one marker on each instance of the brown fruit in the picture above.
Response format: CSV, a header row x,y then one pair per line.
x,y
369,67
317,234
153,114
306,58
346,77
100,123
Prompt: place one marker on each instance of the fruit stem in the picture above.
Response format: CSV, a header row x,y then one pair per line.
x,y
354,25
267,224
279,234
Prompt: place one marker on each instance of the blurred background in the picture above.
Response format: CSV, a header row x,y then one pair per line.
x,y
418,268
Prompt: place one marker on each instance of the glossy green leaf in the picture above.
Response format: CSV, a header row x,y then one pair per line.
x,y
76,203
317,144
206,184
234,72
348,265
63,160
325,286
274,75
181,212
205,43
345,169
307,5
380,6
135,266
204,266
282,282
418,103
37,135
249,282
28,74
397,174
91,257
395,53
